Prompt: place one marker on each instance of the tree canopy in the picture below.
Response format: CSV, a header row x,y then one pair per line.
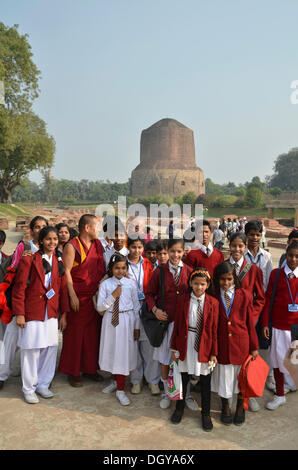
x,y
24,142
286,171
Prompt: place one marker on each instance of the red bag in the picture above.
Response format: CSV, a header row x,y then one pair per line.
x,y
252,378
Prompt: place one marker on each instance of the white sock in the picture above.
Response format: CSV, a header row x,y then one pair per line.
x,y
165,385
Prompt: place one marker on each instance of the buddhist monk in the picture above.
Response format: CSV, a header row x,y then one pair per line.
x,y
84,268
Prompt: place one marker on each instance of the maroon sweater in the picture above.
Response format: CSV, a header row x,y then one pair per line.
x,y
199,259
172,292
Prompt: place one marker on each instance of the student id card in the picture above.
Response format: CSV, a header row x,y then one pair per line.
x,y
50,294
293,307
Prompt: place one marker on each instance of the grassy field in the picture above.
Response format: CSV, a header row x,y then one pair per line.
x,y
11,211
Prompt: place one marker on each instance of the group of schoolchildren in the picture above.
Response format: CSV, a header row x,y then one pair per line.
x,y
212,308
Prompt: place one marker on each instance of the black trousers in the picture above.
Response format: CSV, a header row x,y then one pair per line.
x,y
205,381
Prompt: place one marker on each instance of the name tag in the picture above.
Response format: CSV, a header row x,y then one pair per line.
x,y
50,294
141,296
293,307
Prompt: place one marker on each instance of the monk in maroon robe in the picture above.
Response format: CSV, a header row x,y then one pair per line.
x,y
84,268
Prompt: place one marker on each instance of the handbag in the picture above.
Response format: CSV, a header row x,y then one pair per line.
x,y
264,343
175,388
252,378
155,329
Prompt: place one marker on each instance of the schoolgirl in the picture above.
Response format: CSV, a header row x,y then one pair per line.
x,y
237,339
118,351
139,271
10,339
194,341
63,235
39,291
284,314
175,280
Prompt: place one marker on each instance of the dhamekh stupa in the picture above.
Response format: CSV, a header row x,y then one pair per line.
x,y
168,164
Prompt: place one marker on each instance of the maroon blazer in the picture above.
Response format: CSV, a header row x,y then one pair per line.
x,y
253,282
208,344
281,318
237,335
172,292
30,299
199,259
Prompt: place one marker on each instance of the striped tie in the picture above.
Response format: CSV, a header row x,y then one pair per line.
x,y
199,326
176,276
115,313
228,301
235,269
208,251
291,275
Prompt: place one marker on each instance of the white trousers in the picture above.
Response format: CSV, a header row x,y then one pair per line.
x,y
38,368
146,365
10,348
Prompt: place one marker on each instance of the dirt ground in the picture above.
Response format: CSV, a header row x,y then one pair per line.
x,y
85,418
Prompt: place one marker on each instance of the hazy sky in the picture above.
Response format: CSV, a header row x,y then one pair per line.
x,y
111,68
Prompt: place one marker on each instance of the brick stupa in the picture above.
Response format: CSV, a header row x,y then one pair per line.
x,y
168,165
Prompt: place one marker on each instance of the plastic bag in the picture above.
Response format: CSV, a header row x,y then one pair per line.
x,y
291,361
174,383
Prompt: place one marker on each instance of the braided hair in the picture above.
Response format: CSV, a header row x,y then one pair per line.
x,y
46,265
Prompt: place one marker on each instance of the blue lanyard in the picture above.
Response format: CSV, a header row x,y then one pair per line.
x,y
258,260
224,305
139,278
289,287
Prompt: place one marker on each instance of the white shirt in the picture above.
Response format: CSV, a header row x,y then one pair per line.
x,y
230,293
106,246
136,273
218,235
204,248
128,299
109,253
172,268
240,263
263,260
288,271
193,309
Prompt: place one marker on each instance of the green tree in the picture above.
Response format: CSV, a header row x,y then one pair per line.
x,y
24,142
286,171
254,197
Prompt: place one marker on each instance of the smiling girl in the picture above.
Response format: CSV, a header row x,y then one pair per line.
x,y
118,300
194,341
39,291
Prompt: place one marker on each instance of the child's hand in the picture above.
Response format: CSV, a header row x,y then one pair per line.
x,y
117,292
20,321
266,332
174,358
27,253
213,359
136,334
63,322
160,314
254,354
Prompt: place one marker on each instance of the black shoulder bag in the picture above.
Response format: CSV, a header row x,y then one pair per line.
x,y
155,329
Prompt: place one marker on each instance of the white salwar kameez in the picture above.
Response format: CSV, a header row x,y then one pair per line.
x,y
39,345
118,349
224,379
10,341
191,364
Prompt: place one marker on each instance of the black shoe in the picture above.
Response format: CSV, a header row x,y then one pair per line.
x,y
1,384
226,419
177,416
239,419
207,423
